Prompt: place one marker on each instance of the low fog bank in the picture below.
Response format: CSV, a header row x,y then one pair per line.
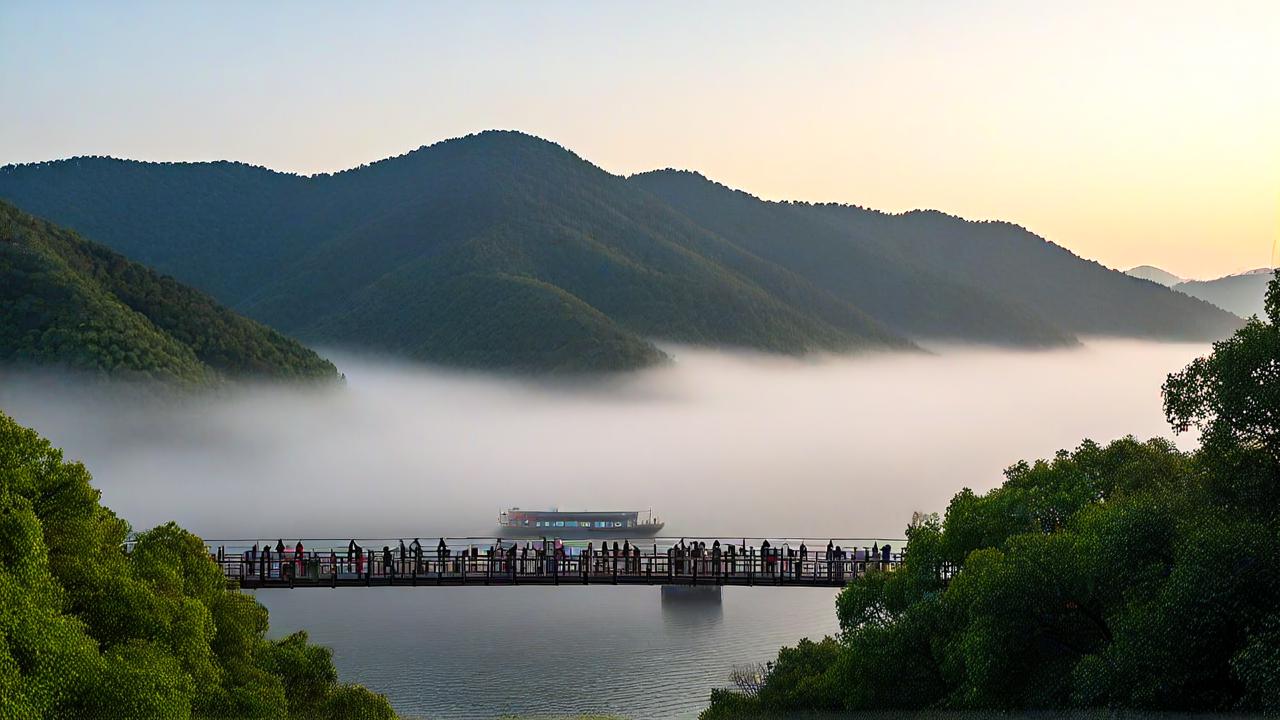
x,y
716,443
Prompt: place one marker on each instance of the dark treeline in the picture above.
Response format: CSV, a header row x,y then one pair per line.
x,y
68,302
505,251
88,630
1130,575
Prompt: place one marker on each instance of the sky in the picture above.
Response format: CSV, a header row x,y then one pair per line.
x,y
1132,133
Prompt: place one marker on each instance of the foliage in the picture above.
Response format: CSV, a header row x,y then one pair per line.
x,y
88,630
65,301
1130,575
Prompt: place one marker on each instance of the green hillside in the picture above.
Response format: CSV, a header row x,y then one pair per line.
x,y
929,274
502,250
68,302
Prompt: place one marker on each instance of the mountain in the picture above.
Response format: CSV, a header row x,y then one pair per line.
x,y
1242,294
1154,274
497,250
935,275
70,302
501,250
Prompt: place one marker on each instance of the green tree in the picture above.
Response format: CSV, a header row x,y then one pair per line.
x,y
90,631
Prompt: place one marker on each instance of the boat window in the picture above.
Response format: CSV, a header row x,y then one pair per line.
x,y
617,523
559,523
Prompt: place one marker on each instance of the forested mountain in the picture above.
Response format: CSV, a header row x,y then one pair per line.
x,y
505,251
1154,274
1240,294
69,302
977,269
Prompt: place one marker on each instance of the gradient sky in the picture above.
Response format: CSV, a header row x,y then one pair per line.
x,y
1132,132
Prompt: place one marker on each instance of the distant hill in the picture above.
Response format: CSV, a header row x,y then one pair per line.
x,y
1241,294
1155,275
505,251
930,274
68,302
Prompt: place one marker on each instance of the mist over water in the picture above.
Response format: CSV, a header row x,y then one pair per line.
x,y
716,443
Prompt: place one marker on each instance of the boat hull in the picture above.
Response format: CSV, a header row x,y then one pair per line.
x,y
647,530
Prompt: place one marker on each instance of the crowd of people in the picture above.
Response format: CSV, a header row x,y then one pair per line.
x,y
554,557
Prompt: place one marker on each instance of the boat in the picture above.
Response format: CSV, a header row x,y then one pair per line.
x,y
577,525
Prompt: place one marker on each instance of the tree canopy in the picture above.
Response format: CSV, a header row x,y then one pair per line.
x,y
1125,575
88,630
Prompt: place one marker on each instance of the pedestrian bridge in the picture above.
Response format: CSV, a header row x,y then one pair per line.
x,y
745,562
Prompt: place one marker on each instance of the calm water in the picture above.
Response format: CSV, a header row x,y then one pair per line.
x,y
477,652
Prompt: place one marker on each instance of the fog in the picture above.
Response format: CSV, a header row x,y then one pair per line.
x,y
716,443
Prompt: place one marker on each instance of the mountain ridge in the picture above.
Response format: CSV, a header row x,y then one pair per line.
x,y
364,256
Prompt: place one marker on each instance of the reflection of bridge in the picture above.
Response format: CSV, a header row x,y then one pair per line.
x,y
476,561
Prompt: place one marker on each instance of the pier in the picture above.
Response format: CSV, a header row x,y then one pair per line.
x,y
491,562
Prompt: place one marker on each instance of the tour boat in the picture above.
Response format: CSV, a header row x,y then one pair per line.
x,y
577,525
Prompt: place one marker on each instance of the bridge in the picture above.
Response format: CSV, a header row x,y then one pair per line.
x,y
496,562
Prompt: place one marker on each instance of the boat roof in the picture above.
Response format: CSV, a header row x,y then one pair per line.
x,y
567,513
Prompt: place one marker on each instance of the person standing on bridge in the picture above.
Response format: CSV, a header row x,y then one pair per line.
x,y
266,563
351,555
297,556
626,556
404,554
416,548
803,555
442,553
884,555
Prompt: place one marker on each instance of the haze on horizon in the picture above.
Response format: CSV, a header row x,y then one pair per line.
x,y
1136,135
717,443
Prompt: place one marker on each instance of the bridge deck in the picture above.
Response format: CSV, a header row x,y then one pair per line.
x,y
336,568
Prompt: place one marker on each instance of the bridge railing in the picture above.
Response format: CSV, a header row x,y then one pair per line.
x,y
779,565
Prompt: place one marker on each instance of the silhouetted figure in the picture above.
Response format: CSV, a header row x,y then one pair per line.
x,y
264,572
766,559
352,550
839,558
416,548
388,563
715,557
804,555
884,554
297,556
442,552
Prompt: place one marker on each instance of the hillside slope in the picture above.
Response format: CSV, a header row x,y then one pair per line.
x,y
502,250
931,274
552,257
1241,294
68,302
